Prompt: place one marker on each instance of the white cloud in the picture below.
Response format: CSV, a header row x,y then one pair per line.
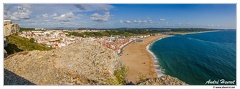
x,y
45,15
149,21
26,6
46,20
127,21
179,24
93,7
7,13
213,25
143,21
137,21
20,12
65,17
121,21
99,18
97,7
33,23
162,19
54,15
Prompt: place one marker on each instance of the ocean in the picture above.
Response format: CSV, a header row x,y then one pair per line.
x,y
199,59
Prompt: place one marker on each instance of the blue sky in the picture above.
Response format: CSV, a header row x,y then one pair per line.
x,y
122,15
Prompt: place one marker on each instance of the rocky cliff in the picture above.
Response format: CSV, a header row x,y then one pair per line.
x,y
83,63
5,45
163,80
80,63
10,28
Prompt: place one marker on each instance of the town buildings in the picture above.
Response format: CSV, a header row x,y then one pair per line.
x,y
59,38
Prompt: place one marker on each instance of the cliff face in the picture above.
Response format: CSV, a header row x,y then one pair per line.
x,y
10,28
5,45
80,63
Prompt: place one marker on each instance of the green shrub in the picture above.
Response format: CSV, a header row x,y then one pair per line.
x,y
120,75
31,40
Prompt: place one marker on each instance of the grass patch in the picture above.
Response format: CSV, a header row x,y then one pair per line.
x,y
18,44
120,76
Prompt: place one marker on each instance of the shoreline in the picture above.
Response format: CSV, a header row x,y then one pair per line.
x,y
157,66
196,32
139,60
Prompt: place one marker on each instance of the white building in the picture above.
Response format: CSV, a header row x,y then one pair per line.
x,y
40,29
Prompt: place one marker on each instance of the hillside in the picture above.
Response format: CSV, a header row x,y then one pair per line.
x,y
81,63
18,44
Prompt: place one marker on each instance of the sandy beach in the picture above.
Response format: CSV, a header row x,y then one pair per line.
x,y
139,60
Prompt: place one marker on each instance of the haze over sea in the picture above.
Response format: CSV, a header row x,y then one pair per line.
x,y
196,58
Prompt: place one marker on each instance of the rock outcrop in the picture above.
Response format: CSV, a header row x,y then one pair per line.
x,y
5,45
163,80
80,63
10,28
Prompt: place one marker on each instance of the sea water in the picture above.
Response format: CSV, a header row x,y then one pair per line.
x,y
199,59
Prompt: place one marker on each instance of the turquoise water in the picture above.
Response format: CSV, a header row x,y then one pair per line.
x,y
197,58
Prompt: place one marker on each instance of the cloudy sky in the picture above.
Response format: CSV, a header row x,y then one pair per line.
x,y
122,15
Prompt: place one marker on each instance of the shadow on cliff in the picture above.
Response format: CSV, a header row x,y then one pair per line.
x,y
12,48
11,78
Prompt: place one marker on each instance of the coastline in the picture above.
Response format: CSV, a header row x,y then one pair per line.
x,y
158,68
140,61
196,32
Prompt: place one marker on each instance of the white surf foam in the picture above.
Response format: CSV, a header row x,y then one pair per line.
x,y
158,68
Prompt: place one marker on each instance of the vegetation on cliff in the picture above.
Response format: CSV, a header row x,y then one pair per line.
x,y
18,44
